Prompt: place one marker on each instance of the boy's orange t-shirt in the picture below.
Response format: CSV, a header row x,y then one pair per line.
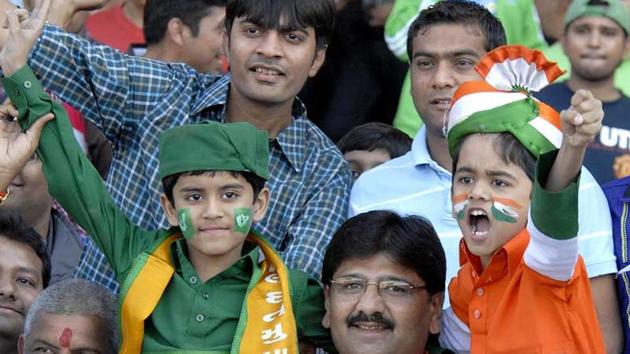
x,y
511,308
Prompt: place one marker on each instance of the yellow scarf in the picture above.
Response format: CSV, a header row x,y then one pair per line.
x,y
266,325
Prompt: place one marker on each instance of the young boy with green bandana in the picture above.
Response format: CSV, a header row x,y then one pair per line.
x,y
206,284
522,287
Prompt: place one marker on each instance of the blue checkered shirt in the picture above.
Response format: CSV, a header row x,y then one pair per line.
x,y
133,100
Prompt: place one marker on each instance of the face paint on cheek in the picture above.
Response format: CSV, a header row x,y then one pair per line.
x,y
460,206
65,340
184,218
505,210
243,220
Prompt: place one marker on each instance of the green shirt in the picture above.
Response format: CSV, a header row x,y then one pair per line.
x,y
191,316
519,19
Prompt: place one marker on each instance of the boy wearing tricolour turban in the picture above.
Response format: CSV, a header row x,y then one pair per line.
x,y
522,287
206,284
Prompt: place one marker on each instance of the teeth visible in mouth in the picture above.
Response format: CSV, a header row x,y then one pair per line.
x,y
480,233
370,327
267,72
478,213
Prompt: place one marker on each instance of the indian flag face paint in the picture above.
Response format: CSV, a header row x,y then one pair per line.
x,y
243,220
505,210
186,223
460,206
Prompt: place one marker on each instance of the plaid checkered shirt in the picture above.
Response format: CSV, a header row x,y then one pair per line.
x,y
133,100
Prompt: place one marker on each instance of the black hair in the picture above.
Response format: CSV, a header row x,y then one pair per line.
x,y
13,228
300,14
408,240
168,182
157,14
372,136
459,12
510,150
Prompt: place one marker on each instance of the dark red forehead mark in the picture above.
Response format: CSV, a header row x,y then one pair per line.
x,y
66,338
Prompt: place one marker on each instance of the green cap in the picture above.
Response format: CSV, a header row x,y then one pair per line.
x,y
613,9
214,146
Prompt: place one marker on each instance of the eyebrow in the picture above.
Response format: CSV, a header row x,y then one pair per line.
x,y
494,173
44,342
28,270
456,53
379,279
280,28
232,186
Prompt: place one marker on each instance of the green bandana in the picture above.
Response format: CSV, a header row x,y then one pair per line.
x,y
186,223
242,220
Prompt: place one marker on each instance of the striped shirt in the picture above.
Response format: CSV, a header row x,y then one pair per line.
x,y
133,100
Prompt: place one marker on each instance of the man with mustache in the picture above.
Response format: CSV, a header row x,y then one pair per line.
x,y
445,43
595,40
404,261
24,273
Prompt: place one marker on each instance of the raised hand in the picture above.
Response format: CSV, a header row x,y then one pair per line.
x,y
16,146
583,120
61,11
23,32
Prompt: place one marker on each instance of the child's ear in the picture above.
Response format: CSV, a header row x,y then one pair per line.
x,y
169,210
260,204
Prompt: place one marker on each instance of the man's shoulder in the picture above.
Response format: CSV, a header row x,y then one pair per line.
x,y
382,186
387,172
321,153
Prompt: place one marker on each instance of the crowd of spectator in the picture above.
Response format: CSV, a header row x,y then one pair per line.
x,y
314,176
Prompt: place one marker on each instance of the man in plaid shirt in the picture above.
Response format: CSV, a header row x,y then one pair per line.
x,y
273,46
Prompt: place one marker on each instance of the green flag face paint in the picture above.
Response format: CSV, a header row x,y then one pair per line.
x,y
505,210
242,220
186,223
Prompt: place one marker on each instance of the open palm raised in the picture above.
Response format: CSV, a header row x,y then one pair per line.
x,y
16,146
23,32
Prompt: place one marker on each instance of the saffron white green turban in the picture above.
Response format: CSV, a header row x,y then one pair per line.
x,y
503,102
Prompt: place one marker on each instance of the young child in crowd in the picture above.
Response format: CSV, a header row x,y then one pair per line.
x,y
369,145
522,287
207,283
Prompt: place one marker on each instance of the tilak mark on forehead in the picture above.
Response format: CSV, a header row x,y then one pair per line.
x,y
65,340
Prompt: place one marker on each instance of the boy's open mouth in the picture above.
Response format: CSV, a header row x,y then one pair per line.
x,y
479,223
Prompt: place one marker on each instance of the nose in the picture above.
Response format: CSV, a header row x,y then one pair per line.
x,y
270,44
443,76
7,288
212,209
371,301
478,191
594,39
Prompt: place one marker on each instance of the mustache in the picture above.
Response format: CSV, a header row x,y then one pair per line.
x,y
376,317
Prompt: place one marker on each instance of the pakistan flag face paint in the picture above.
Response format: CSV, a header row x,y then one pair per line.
x,y
243,220
186,223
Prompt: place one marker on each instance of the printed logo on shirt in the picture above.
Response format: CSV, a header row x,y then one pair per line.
x,y
613,137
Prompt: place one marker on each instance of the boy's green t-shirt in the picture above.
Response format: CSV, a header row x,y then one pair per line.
x,y
519,19
191,315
